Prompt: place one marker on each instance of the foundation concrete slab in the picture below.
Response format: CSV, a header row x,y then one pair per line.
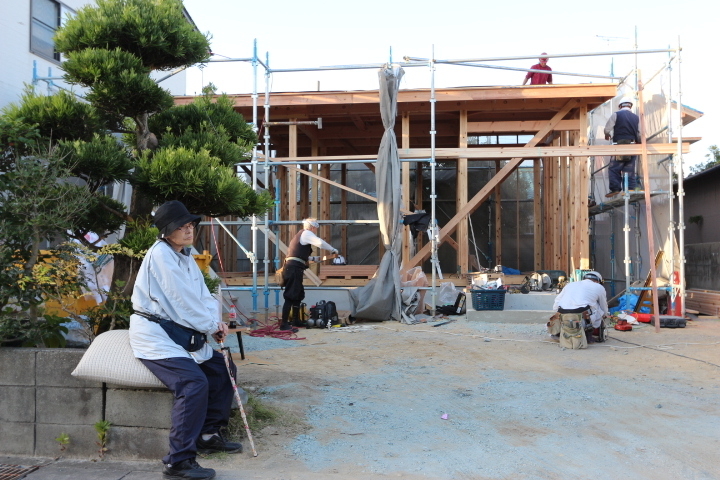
x,y
18,404
509,316
69,406
17,366
530,301
139,408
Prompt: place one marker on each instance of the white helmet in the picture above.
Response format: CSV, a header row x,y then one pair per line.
x,y
625,101
593,275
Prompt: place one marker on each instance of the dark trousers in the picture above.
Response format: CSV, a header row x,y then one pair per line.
x,y
617,169
203,398
294,292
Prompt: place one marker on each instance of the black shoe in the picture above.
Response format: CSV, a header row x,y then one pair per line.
x,y
612,194
287,326
217,443
188,468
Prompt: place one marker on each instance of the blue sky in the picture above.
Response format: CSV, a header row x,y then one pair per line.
x,y
319,32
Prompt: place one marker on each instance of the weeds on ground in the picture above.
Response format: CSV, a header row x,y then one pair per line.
x,y
102,428
259,415
63,441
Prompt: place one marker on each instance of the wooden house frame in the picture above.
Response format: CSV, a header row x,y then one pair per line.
x,y
556,116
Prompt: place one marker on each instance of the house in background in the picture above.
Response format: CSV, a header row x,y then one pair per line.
x,y
27,28
702,229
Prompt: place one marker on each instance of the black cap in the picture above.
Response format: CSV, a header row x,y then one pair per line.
x,y
172,215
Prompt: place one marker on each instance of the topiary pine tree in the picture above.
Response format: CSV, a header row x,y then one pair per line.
x,y
185,153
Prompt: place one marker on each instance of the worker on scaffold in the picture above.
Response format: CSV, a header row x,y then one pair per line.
x,y
296,262
623,127
539,78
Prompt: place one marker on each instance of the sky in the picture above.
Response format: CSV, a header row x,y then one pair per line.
x,y
314,33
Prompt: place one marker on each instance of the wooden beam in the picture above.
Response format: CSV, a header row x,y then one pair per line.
x,y
510,152
518,126
584,185
461,196
327,181
358,121
497,191
405,178
648,205
292,182
343,210
537,215
484,192
325,202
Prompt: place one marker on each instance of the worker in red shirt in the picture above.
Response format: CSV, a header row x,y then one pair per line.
x,y
538,78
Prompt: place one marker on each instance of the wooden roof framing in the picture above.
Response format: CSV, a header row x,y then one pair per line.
x,y
556,116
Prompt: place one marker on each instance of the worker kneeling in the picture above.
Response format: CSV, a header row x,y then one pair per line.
x,y
581,307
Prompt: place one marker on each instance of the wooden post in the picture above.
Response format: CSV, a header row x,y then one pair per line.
x,y
314,194
537,216
343,212
314,206
419,199
557,210
648,205
584,185
405,144
292,181
325,230
498,218
461,197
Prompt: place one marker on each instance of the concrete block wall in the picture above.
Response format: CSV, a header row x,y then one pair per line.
x,y
40,400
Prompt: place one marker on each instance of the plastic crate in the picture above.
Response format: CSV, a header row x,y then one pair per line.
x,y
488,299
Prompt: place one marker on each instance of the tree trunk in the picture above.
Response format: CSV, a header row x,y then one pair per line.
x,y
125,269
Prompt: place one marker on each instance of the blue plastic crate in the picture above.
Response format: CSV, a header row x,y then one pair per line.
x,y
488,299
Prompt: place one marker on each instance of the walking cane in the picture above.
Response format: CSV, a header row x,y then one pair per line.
x,y
225,351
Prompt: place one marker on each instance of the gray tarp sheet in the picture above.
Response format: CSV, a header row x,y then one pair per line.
x,y
380,299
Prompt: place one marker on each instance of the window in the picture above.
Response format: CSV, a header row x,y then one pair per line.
x,y
45,20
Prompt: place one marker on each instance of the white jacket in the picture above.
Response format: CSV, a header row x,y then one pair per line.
x,y
170,285
580,294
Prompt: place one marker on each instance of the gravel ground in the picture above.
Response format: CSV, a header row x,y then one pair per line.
x,y
470,400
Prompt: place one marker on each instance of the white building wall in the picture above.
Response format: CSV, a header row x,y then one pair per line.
x,y
16,59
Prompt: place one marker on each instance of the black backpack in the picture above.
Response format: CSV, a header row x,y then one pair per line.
x,y
323,314
457,309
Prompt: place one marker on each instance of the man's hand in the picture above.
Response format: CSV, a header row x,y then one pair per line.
x,y
607,137
219,336
334,251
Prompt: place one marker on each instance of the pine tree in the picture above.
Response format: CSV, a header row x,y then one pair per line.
x,y
185,153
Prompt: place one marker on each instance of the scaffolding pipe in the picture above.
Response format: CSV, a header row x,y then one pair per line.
x,y
332,162
554,72
433,217
681,189
671,194
222,60
375,66
266,169
530,57
626,234
298,222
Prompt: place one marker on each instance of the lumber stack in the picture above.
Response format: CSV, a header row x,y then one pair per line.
x,y
347,271
705,301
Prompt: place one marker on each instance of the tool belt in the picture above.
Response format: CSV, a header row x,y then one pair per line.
x,y
189,339
572,332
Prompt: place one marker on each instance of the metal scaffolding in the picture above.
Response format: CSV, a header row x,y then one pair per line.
x,y
431,64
